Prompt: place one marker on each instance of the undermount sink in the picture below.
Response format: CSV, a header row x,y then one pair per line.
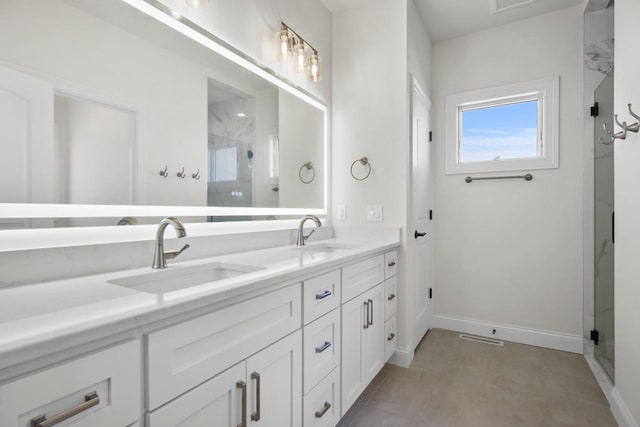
x,y
326,248
174,279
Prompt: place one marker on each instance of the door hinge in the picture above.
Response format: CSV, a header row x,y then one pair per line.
x,y
595,336
595,110
430,293
430,136
430,214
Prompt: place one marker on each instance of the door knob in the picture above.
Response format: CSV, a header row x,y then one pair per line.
x,y
416,234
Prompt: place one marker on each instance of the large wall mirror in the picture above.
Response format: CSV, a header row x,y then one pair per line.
x,y
108,115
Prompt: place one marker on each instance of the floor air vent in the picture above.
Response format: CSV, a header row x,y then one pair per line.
x,y
482,339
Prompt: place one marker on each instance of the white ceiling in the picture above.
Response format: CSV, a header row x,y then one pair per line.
x,y
446,19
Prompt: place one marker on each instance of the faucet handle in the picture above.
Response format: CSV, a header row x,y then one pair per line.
x,y
308,235
175,254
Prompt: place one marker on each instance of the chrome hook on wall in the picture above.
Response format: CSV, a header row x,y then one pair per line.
x,y
627,128
181,174
164,172
614,136
196,175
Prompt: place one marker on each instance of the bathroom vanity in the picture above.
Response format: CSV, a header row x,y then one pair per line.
x,y
287,336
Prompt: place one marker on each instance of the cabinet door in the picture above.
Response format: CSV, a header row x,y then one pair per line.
x,y
353,328
275,384
374,338
216,403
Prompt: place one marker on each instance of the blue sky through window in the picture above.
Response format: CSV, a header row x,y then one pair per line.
x,y
500,132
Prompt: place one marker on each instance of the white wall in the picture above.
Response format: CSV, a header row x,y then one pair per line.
x,y
380,43
510,252
627,159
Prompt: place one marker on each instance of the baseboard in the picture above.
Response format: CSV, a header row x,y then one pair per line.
x,y
620,411
536,337
402,357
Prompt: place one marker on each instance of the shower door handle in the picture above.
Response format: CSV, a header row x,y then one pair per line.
x,y
613,227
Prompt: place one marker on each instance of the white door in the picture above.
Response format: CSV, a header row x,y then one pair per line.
x,y
421,236
354,321
274,378
374,334
216,403
26,140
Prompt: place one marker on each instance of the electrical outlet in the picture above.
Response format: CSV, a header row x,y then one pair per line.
x,y
374,213
342,212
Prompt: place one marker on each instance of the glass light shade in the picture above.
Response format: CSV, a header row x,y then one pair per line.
x,y
315,68
300,55
284,43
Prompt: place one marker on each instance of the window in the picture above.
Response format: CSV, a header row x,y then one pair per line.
x,y
507,128
223,161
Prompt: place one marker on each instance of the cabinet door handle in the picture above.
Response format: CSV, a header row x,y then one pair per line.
x,y
391,336
243,386
391,297
417,234
371,309
324,295
366,315
256,415
324,346
90,400
391,264
324,410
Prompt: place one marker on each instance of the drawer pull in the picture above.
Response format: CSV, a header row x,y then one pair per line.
x,y
90,400
243,386
366,315
324,346
256,415
325,408
391,264
391,297
324,295
391,336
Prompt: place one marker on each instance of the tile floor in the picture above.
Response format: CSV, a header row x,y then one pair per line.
x,y
458,383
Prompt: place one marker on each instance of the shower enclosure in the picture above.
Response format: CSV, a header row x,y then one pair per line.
x,y
603,335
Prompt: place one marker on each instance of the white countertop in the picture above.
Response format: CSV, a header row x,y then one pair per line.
x,y
33,315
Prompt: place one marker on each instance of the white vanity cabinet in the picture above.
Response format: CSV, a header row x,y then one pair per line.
x,y
98,390
263,390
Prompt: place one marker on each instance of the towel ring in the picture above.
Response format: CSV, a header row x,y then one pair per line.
x,y
364,161
309,166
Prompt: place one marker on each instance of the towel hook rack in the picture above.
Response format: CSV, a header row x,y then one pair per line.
x,y
181,174
627,128
164,173
308,166
196,175
614,136
364,161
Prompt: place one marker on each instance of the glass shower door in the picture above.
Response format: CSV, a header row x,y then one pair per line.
x,y
604,228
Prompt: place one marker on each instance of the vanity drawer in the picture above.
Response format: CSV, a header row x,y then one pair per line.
x,y
321,348
321,405
321,295
390,264
183,356
359,277
390,297
103,389
390,337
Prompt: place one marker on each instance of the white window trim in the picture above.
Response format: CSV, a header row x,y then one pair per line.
x,y
549,123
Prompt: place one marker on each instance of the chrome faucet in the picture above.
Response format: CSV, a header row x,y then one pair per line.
x,y
301,237
160,257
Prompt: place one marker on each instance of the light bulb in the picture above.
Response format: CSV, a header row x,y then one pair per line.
x,y
300,57
284,43
315,72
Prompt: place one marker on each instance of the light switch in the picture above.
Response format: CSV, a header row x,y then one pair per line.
x,y
374,213
342,212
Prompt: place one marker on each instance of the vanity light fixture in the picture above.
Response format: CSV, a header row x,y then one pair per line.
x,y
241,115
291,44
